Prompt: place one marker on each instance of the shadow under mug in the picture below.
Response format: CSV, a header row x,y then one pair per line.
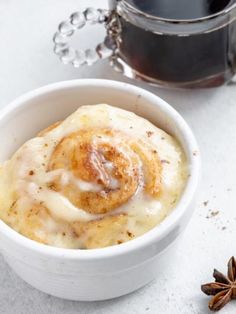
x,y
191,53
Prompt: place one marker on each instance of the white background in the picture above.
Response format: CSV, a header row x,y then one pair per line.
x,y
27,62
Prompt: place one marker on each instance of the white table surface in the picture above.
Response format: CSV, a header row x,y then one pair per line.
x,y
27,62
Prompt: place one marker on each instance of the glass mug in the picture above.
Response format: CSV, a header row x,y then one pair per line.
x,y
182,49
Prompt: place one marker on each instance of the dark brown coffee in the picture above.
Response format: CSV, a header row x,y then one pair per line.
x,y
180,9
180,59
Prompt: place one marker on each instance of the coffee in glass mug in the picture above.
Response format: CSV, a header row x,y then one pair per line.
x,y
184,43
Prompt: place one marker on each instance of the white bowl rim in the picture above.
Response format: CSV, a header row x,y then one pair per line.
x,y
150,237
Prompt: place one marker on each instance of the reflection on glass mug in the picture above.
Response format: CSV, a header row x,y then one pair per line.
x,y
180,43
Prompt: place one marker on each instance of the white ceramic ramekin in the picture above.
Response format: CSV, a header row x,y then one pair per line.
x,y
100,273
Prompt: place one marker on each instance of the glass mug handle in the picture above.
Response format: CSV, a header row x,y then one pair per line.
x,y
79,57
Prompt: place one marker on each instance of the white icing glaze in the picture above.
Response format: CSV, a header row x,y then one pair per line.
x,y
59,206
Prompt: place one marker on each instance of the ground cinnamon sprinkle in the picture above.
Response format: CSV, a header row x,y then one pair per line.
x,y
130,234
149,133
165,161
213,214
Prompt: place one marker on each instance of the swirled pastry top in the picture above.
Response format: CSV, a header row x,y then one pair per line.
x,y
100,177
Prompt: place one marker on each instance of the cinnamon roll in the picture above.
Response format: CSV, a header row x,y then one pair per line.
x,y
101,177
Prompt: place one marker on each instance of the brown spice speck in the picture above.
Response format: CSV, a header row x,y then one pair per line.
x,y
119,242
165,161
213,213
205,203
13,204
31,173
149,133
130,234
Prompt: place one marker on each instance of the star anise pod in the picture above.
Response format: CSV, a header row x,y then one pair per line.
x,y
223,289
